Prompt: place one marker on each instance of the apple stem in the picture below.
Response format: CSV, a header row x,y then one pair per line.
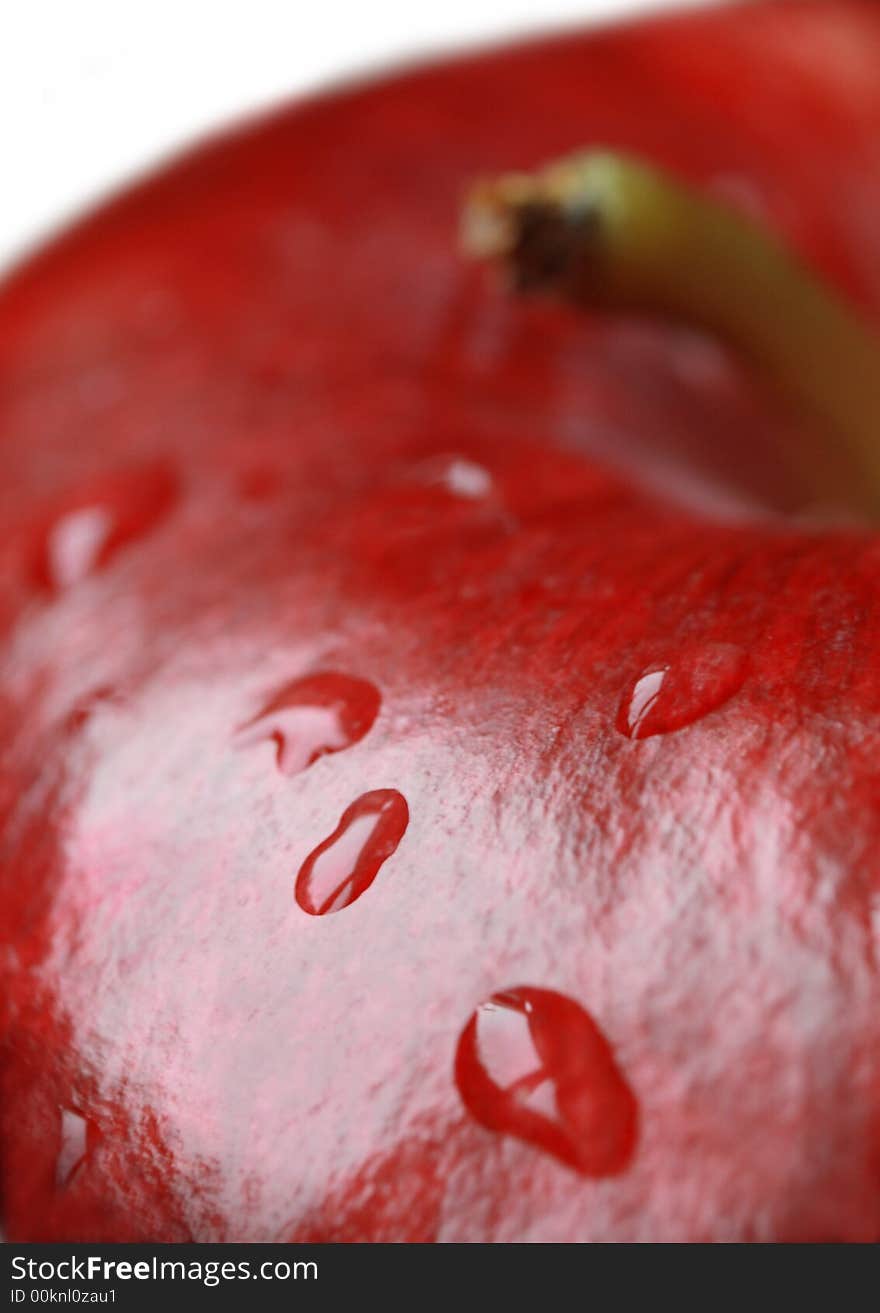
x,y
603,229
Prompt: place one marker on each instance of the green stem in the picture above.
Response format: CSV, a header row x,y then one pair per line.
x,y
606,230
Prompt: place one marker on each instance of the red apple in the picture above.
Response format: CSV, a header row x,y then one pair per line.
x,y
439,797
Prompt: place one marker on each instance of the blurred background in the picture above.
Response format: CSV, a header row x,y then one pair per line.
x,y
93,91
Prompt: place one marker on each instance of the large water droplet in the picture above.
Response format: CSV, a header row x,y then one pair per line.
x,y
90,527
310,717
73,1147
533,1064
344,866
671,695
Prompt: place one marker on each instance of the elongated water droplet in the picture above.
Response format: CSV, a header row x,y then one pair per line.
x,y
344,866
533,1064
73,1148
671,695
310,717
95,523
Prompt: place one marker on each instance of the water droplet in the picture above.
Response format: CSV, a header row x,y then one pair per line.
x,y
467,479
84,533
310,717
669,696
533,1064
344,866
73,1148
463,478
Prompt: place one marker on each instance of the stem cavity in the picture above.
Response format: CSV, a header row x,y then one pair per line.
x,y
605,230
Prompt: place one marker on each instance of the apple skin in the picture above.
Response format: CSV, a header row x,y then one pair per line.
x,y
325,444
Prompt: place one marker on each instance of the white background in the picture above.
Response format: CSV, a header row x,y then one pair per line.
x,y
92,91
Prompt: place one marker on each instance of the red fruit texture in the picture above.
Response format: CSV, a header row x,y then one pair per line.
x,y
337,580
